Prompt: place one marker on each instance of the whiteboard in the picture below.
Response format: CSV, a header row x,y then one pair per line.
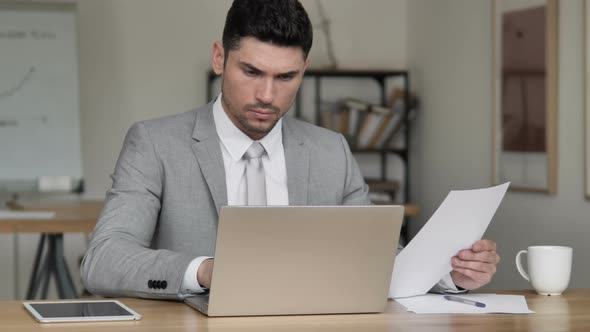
x,y
39,96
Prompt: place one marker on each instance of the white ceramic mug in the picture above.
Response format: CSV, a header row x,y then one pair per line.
x,y
549,268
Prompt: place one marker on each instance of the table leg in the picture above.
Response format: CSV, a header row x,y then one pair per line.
x,y
36,275
52,256
54,263
46,276
39,278
62,273
15,265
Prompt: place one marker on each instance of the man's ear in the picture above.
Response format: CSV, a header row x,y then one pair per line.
x,y
306,63
218,58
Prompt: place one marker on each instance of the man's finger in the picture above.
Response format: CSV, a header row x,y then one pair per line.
x,y
484,245
475,266
485,256
480,278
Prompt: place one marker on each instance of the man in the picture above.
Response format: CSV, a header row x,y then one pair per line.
x,y
156,234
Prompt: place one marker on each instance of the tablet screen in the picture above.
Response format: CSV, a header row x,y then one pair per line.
x,y
80,311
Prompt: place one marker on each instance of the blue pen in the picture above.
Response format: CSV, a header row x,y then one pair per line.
x,y
464,301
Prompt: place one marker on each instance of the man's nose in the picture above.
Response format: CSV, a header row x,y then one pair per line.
x,y
265,92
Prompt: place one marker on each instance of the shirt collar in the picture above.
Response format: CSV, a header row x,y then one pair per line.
x,y
236,142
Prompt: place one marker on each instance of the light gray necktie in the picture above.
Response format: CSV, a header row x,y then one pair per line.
x,y
255,182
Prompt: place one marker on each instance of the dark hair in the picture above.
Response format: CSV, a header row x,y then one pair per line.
x,y
279,22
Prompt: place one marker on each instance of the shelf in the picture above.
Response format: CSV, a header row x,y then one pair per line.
x,y
382,186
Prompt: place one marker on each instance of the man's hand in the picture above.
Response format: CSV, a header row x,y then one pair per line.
x,y
475,267
204,273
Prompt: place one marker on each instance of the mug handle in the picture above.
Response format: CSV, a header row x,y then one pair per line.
x,y
519,265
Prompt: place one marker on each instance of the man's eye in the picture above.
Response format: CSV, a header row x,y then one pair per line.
x,y
286,77
251,73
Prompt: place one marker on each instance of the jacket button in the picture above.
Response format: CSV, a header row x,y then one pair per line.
x,y
150,284
164,284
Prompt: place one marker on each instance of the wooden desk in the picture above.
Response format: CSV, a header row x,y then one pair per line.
x,y
411,210
79,217
569,312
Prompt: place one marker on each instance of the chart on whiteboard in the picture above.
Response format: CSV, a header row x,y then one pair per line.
x,y
39,94
10,92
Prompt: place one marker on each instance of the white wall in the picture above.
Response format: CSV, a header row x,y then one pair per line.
x,y
141,59
449,52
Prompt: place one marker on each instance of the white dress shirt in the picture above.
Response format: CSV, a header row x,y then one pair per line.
x,y
234,143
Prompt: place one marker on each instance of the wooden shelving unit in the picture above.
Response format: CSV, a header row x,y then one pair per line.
x,y
380,76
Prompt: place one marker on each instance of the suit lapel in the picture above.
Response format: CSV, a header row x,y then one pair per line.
x,y
297,160
208,154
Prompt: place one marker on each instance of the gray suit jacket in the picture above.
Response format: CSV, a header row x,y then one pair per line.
x,y
168,187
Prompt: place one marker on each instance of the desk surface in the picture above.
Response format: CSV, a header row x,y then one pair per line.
x,y
78,218
569,312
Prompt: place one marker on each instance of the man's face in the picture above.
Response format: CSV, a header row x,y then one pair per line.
x,y
260,82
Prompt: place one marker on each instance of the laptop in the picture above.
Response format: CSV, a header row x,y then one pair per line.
x,y
297,260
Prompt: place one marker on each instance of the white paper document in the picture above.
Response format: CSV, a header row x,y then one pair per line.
x,y
5,214
460,221
437,304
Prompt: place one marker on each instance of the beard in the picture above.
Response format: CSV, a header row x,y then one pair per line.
x,y
258,126
249,125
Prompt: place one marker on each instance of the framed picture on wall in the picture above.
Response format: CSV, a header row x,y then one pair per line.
x,y
525,94
587,98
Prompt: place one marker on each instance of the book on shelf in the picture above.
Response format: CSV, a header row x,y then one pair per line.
x,y
344,121
388,127
395,138
373,122
392,127
330,116
357,111
366,125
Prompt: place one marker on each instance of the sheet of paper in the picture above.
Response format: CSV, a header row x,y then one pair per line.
x,y
460,220
436,304
5,214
